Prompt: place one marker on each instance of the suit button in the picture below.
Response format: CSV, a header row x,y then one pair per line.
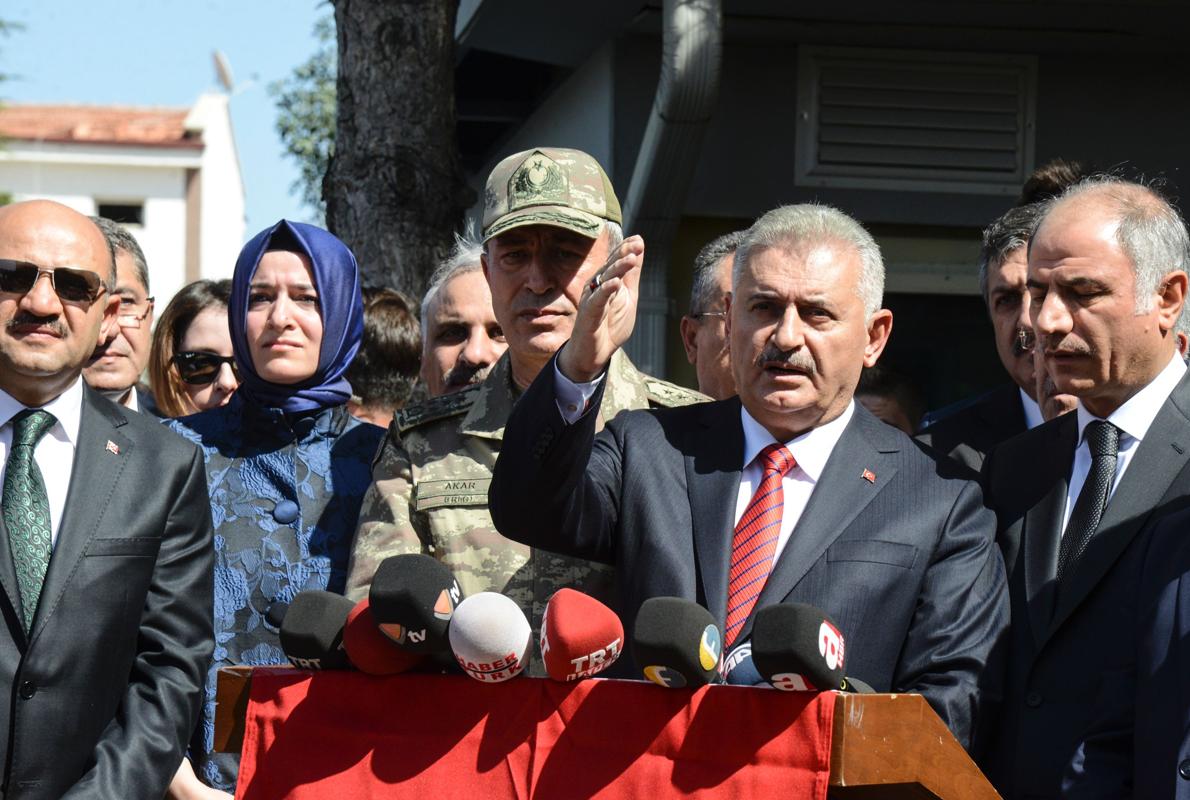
x,y
28,689
1033,699
1184,769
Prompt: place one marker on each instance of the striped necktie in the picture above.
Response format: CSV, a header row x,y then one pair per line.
x,y
755,540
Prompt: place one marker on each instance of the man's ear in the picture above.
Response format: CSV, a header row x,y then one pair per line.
x,y
689,328
879,329
727,298
1170,298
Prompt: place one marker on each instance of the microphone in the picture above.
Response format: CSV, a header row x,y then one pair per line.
x,y
677,643
740,670
797,647
312,630
490,637
412,598
371,651
580,636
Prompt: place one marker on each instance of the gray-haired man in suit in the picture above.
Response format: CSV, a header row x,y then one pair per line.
x,y
790,492
1107,281
105,588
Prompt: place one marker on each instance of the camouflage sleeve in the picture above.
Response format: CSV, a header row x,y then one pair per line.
x,y
385,524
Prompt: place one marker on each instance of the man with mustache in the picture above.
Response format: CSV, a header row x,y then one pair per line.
x,y
1073,497
789,492
969,432
551,220
461,338
116,366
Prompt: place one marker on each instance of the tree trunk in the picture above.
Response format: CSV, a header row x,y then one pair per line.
x,y
395,190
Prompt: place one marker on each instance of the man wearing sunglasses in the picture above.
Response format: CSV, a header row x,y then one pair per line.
x,y
105,538
116,366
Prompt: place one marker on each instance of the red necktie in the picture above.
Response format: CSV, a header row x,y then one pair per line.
x,y
755,540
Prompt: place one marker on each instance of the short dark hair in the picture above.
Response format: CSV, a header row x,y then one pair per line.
x,y
1050,180
1008,233
119,238
386,366
703,287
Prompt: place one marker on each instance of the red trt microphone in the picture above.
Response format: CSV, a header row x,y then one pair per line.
x,y
580,636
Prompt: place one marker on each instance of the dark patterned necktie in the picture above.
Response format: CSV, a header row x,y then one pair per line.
x,y
1103,440
755,540
27,508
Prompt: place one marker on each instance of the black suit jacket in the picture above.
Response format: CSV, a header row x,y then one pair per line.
x,y
100,698
1063,664
1140,744
970,433
905,563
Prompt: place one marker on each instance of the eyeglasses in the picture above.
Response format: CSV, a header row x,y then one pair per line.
x,y
129,320
72,285
198,368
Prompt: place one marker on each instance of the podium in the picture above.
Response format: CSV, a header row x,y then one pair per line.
x,y
881,745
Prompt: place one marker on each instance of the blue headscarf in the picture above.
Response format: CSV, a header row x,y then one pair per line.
x,y
336,279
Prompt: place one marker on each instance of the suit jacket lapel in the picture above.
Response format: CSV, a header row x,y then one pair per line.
x,y
93,479
1004,414
1042,527
713,472
8,580
1158,460
838,498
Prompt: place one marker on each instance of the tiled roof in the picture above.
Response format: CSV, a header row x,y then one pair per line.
x,y
160,127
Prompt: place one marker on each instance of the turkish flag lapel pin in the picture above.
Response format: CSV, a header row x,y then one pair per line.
x,y
868,476
113,448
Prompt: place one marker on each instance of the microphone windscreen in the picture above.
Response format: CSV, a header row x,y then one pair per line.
x,y
739,669
412,598
580,636
371,651
797,647
677,643
312,630
490,637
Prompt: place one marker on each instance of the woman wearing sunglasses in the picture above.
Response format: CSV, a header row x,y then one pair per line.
x,y
287,465
191,367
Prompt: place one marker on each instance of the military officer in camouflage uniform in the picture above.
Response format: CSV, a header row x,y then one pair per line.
x,y
551,219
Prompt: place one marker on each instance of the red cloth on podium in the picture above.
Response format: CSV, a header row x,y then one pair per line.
x,y
347,734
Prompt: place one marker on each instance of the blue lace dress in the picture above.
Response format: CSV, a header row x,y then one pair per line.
x,y
285,496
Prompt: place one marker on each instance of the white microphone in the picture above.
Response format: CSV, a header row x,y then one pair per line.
x,y
490,637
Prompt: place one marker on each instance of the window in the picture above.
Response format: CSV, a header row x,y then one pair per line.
x,y
913,120
124,213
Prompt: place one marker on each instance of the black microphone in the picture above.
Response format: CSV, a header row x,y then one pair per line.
x,y
312,630
740,670
677,643
412,599
797,647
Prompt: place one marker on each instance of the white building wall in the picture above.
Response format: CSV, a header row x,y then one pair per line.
x,y
222,198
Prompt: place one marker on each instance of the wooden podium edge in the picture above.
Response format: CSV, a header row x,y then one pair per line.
x,y
887,740
231,707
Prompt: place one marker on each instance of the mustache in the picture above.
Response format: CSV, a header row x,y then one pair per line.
x,y
1059,346
1023,342
795,359
24,318
467,374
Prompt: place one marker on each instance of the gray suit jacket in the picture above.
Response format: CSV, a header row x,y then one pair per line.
x,y
100,698
1061,669
973,431
904,563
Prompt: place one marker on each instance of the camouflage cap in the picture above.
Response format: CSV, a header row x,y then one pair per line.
x,y
549,186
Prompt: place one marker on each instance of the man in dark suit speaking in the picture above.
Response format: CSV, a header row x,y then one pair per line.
x,y
105,538
788,493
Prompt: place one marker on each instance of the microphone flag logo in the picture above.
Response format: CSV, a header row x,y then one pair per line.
x,y
664,676
830,645
710,647
444,606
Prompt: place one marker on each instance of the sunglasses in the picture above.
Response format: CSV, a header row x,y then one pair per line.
x,y
72,285
198,369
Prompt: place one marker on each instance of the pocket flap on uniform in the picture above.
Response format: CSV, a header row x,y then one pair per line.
x,y
454,492
143,546
896,554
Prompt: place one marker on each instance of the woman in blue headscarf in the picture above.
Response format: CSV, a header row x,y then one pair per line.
x,y
287,465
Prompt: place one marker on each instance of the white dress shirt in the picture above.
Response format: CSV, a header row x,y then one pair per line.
x,y
1032,411
54,454
1133,419
810,450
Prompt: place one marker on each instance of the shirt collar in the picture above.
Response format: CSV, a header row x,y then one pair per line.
x,y
1138,413
811,450
1032,411
67,408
